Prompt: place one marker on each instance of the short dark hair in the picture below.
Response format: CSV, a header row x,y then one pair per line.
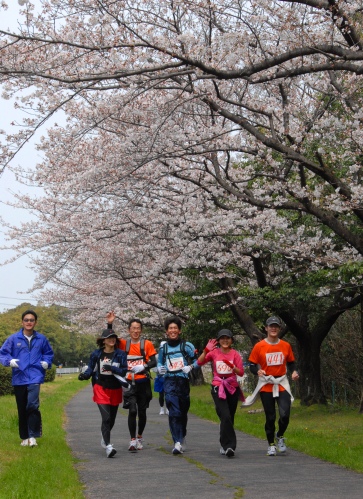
x,y
172,320
29,312
135,320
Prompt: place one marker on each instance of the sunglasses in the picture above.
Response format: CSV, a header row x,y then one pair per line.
x,y
28,320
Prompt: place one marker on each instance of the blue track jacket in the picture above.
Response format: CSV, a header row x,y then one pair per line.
x,y
30,370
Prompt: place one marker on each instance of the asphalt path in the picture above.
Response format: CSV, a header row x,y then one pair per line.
x,y
201,472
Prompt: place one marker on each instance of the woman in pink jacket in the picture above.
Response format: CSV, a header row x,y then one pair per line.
x,y
226,365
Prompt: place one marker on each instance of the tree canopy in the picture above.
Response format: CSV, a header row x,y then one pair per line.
x,y
212,136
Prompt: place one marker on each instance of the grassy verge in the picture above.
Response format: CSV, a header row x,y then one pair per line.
x,y
334,434
47,470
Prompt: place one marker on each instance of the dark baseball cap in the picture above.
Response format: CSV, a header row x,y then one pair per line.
x,y
273,320
224,332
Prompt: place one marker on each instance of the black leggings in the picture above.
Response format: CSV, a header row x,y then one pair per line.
x,y
161,399
108,415
269,405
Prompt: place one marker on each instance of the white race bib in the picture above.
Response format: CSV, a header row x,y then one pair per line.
x,y
222,368
275,359
175,364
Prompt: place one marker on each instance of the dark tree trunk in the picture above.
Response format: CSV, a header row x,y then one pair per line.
x,y
196,377
310,386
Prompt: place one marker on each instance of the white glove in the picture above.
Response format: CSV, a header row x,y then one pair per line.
x,y
187,369
137,369
44,364
161,370
14,363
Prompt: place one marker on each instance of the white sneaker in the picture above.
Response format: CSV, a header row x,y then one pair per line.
x,y
271,451
166,411
24,443
133,445
222,451
177,448
280,443
162,411
32,442
110,451
103,443
139,444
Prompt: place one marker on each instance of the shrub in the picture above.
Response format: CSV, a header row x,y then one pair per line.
x,y
5,381
50,374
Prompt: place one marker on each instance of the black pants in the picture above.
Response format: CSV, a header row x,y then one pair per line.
x,y
138,399
27,401
283,402
226,410
108,415
161,399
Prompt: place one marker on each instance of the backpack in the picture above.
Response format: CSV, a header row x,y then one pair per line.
x,y
142,347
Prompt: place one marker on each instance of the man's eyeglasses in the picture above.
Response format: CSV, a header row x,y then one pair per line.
x,y
28,320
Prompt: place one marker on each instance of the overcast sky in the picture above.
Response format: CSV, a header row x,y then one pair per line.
x,y
16,278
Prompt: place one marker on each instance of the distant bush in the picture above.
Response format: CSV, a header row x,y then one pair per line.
x,y
5,381
50,374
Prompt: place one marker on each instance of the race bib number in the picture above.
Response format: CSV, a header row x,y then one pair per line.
x,y
175,364
275,359
105,362
139,361
222,368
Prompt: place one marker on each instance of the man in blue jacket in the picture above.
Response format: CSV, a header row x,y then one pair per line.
x,y
29,354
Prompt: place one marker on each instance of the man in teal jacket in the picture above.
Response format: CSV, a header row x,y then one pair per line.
x,y
29,354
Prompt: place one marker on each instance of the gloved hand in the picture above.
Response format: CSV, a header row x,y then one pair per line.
x,y
229,364
137,369
106,367
211,345
44,364
14,363
161,370
82,377
187,369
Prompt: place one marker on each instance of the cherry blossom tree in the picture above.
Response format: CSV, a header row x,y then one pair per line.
x,y
207,134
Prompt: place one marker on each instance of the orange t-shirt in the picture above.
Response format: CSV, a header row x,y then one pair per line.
x,y
272,357
135,358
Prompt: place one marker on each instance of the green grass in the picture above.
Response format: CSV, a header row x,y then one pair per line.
x,y
334,434
47,470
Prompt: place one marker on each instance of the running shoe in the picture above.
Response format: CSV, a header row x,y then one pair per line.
x,y
271,451
32,442
162,411
133,445
280,444
229,452
177,448
222,451
139,444
110,451
24,443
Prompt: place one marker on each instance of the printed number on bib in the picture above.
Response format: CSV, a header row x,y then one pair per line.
x,y
134,362
275,359
175,364
222,368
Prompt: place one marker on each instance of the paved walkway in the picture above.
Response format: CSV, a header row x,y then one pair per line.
x,y
201,472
